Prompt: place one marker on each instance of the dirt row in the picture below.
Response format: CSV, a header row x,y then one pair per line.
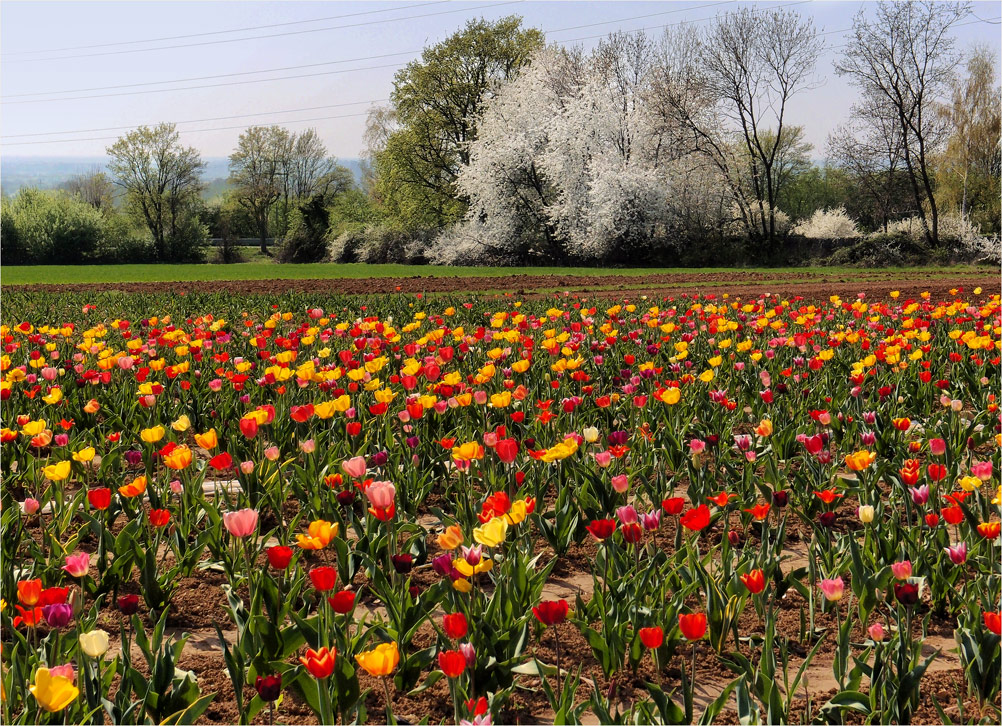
x,y
811,285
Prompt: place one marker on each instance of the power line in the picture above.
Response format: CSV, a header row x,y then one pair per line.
x,y
191,131
199,120
269,35
4,101
220,32
326,63
267,113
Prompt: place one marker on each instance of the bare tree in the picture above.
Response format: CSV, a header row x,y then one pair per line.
x,y
161,178
869,147
257,172
905,59
95,188
754,64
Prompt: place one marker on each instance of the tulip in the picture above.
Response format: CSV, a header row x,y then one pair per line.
x,y
551,612
693,625
627,514
323,578
53,692
993,621
906,593
652,637
381,660
30,506
94,643
319,663
272,453
319,535
937,447
452,663
241,523
621,483
957,553
354,467
876,632
279,556
832,589
77,565
268,687
696,519
128,604
902,570
58,615
342,602
754,581
866,513
920,495
455,625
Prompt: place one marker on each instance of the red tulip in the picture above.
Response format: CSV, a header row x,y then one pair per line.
x,y
602,528
279,556
673,505
993,621
159,517
342,602
754,581
99,499
452,663
551,612
652,637
507,450
696,519
323,578
221,462
937,472
455,625
319,663
248,427
693,625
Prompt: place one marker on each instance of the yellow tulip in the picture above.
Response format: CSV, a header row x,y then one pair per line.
x,y
152,435
182,424
85,455
671,396
135,488
517,513
53,693
451,538
381,660
179,458
969,483
57,472
209,440
860,460
95,643
466,569
319,535
33,428
461,585
491,534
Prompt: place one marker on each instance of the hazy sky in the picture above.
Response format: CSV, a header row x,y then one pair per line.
x,y
42,47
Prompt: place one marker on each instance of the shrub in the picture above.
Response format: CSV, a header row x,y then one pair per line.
x,y
827,224
52,227
380,244
882,250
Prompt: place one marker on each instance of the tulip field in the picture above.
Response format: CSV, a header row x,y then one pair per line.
x,y
627,508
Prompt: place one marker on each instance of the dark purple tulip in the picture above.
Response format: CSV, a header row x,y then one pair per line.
x,y
402,563
906,593
133,457
269,687
781,498
827,519
58,615
412,441
379,458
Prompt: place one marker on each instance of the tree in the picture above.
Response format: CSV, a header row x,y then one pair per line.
x,y
903,60
162,181
96,189
969,168
435,103
869,149
754,64
257,173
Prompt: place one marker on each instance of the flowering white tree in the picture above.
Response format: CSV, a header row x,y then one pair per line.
x,y
573,162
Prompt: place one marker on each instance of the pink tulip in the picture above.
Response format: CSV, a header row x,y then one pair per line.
x,y
77,565
381,494
832,589
651,520
876,632
241,523
30,505
937,447
247,467
50,374
697,446
920,495
308,446
175,486
65,670
272,453
627,514
957,553
621,483
603,459
354,467
902,570
982,470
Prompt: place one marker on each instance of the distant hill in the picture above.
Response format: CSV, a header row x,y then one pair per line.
x,y
49,172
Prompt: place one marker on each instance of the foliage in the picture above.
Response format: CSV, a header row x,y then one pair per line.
x,y
827,224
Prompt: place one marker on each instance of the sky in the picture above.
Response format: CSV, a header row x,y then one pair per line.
x,y
123,64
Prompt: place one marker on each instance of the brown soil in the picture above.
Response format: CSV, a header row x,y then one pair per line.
x,y
736,284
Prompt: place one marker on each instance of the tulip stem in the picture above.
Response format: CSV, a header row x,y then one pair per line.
x,y
389,702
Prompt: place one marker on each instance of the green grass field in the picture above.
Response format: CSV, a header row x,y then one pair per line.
x,y
64,274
